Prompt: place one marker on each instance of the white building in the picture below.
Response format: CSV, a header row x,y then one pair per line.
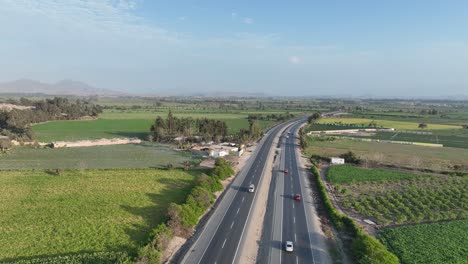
x,y
216,153
337,160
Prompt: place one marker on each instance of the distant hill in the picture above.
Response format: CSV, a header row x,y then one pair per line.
x,y
64,87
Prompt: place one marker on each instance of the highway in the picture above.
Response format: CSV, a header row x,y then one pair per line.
x,y
290,220
218,242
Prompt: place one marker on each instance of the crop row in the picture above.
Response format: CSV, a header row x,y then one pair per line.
x,y
443,242
417,201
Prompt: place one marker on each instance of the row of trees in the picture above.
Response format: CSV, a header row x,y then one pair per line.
x,y
208,129
270,117
16,123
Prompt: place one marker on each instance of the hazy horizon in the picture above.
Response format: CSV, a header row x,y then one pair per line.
x,y
364,48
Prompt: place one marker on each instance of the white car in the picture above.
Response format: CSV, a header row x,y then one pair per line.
x,y
289,247
251,188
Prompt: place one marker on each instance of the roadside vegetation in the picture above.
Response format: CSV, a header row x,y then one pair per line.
x,y
364,248
182,218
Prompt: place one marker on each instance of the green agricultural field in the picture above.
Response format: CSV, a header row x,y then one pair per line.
x,y
92,129
443,242
456,140
393,154
114,124
385,123
392,197
353,174
44,214
143,155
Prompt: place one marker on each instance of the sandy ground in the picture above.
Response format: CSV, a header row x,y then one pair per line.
x,y
177,242
253,232
8,107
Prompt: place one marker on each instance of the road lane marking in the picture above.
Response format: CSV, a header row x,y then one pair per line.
x,y
293,205
232,224
224,242
238,210
243,199
297,260
294,219
295,238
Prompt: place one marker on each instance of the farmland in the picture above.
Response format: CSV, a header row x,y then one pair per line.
x,y
443,242
392,154
390,197
129,123
385,123
459,140
352,174
143,155
47,214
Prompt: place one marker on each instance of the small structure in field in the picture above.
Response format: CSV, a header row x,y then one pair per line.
x,y
337,161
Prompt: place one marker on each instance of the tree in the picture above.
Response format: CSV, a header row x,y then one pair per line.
x,y
170,123
255,130
422,125
313,118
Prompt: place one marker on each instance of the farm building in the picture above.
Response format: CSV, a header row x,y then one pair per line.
x,y
337,161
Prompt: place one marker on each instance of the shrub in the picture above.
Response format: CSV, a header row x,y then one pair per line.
x,y
368,250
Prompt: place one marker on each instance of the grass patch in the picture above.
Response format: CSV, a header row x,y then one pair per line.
x,y
84,211
443,242
143,155
385,123
353,174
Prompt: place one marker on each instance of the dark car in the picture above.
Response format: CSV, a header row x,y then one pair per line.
x,y
297,197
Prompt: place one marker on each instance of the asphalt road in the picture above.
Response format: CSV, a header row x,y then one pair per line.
x,y
290,220
219,241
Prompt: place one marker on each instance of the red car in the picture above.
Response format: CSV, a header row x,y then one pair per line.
x,y
286,171
297,197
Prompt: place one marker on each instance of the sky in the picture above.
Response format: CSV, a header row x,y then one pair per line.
x,y
395,48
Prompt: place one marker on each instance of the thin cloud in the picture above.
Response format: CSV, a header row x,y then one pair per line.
x,y
294,59
233,15
248,20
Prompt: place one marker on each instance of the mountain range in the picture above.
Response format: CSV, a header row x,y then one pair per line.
x,y
64,87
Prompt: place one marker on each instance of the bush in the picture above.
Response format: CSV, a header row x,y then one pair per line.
x,y
222,169
368,250
152,252
350,157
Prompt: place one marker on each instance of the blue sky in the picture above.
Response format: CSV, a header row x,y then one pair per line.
x,y
379,48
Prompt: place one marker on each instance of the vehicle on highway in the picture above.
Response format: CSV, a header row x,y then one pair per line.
x,y
297,197
289,246
286,171
251,188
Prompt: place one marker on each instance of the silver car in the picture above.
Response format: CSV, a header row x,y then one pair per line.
x,y
251,188
289,247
